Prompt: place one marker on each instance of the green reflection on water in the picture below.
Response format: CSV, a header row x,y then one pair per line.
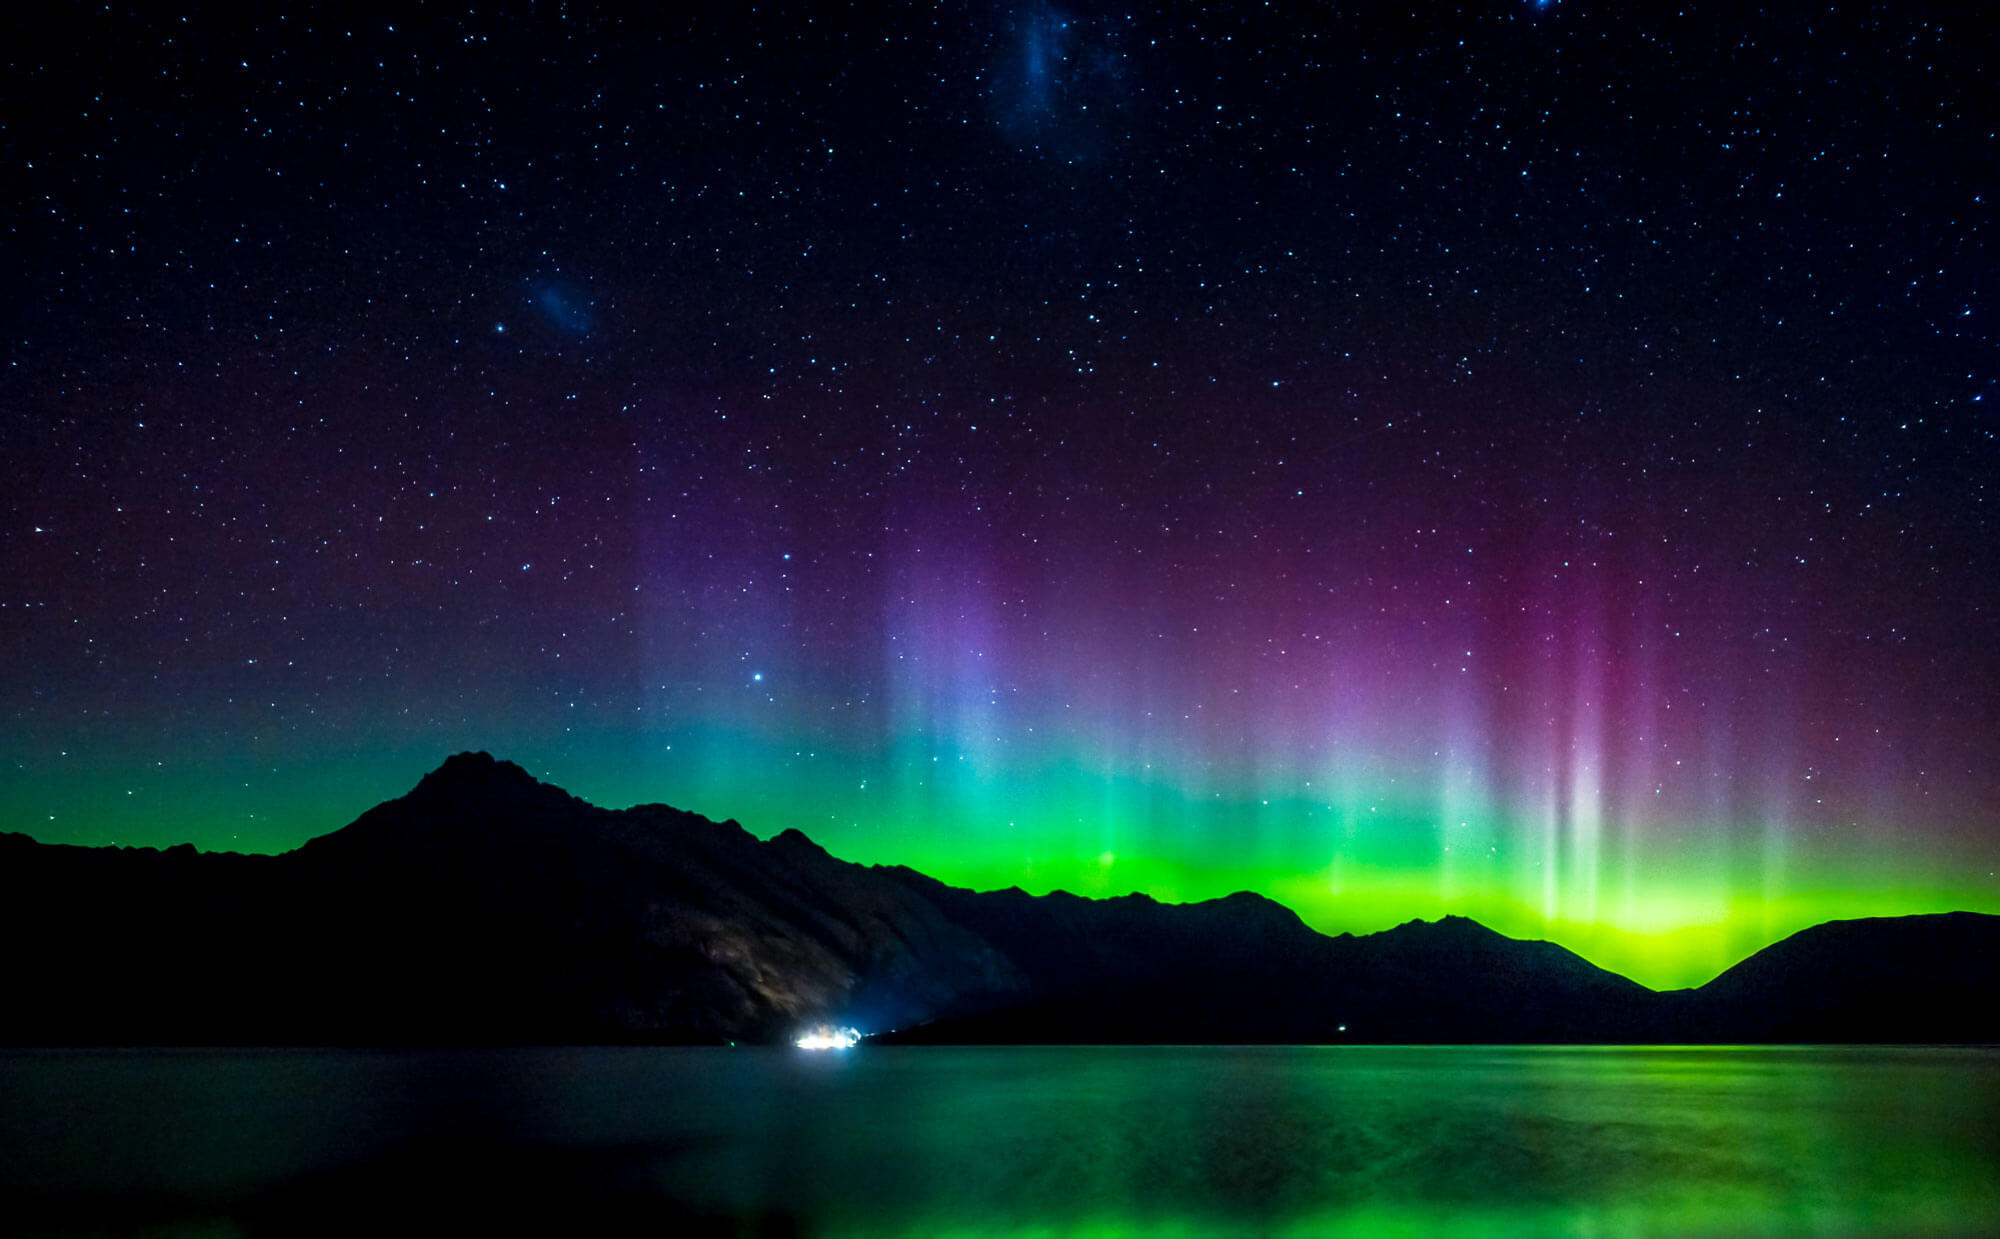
x,y
1383,1141
1593,1143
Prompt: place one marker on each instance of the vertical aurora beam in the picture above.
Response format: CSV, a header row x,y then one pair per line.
x,y
1638,789
1546,757
1465,863
1781,775
1584,800
941,662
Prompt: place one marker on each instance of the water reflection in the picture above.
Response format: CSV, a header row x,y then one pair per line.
x,y
1450,1141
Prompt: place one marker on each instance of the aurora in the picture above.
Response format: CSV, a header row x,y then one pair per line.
x,y
1520,464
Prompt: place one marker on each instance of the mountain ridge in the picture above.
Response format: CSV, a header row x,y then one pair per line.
x,y
485,905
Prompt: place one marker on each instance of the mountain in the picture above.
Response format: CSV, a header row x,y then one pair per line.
x,y
482,906
485,906
1244,968
1905,978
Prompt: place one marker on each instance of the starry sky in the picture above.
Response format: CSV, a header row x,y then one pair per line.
x,y
1526,460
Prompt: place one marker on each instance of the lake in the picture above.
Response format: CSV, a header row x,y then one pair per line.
x,y
1596,1143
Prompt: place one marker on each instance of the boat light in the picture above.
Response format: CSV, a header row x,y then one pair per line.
x,y
826,1037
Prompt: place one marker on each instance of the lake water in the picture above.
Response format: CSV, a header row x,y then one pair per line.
x,y
1596,1143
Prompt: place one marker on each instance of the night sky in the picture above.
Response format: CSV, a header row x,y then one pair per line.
x,y
1534,461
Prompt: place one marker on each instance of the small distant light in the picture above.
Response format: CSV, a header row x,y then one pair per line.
x,y
757,676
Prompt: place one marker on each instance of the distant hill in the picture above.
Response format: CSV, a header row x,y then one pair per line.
x,y
1903,978
485,906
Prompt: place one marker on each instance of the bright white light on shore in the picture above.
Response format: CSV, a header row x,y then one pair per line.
x,y
826,1037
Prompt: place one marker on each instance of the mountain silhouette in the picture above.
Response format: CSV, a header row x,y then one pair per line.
x,y
1904,978
488,907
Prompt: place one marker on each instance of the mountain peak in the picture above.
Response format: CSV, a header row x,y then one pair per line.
x,y
1250,904
1450,926
462,771
479,779
794,840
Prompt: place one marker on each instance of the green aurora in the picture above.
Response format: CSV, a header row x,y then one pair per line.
x,y
1668,910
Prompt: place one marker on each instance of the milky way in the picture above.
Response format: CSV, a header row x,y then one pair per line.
x,y
1534,464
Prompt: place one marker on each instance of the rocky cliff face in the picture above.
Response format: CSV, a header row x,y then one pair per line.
x,y
649,922
488,907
